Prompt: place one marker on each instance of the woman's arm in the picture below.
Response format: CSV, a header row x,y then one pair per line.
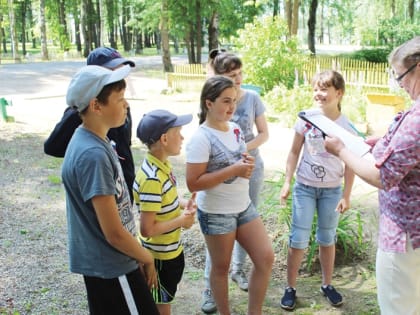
x,y
363,168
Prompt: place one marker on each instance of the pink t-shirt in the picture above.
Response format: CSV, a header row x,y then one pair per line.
x,y
397,156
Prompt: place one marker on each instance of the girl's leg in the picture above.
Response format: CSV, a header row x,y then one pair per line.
x,y
220,249
253,237
326,230
255,185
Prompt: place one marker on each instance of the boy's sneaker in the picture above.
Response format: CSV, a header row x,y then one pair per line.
x,y
332,295
241,280
208,305
288,301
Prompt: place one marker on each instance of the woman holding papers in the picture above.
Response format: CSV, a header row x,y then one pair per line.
x,y
395,170
318,187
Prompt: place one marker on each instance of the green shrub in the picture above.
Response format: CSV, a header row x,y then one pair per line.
x,y
269,56
371,55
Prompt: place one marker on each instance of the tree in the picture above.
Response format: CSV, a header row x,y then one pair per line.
x,y
13,33
312,26
166,54
292,15
43,28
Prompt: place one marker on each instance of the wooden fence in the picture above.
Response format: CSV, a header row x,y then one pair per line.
x,y
355,72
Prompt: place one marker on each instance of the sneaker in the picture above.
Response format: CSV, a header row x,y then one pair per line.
x,y
208,305
332,295
288,301
240,279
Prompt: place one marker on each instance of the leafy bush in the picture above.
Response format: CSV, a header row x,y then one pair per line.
x,y
371,55
270,57
285,104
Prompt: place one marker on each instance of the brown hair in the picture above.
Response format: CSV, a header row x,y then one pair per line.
x,y
223,62
212,88
329,78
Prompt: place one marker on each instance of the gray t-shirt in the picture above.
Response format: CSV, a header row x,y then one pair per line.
x,y
247,110
91,168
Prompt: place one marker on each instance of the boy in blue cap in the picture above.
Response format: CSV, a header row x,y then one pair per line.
x,y
161,218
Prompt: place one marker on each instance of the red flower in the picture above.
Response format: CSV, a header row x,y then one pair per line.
x,y
237,132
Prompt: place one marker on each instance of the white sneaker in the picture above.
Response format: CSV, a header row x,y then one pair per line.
x,y
208,305
241,280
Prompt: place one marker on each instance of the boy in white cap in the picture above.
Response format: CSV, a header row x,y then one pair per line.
x,y
56,143
161,218
101,227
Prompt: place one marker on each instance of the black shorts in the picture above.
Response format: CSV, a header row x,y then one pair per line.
x,y
169,275
127,294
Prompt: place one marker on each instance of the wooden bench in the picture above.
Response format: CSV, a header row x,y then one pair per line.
x,y
186,76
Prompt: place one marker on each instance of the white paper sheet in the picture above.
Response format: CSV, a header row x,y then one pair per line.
x,y
355,143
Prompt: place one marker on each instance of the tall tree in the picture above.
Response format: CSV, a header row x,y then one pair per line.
x,y
43,28
13,32
312,26
213,30
166,53
291,11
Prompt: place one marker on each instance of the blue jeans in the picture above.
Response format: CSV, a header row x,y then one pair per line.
x,y
307,200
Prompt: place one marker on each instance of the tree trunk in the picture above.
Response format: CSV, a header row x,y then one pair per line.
x,y
295,17
43,27
411,10
214,31
312,26
288,15
110,21
1,33
199,38
276,8
166,52
13,33
84,19
24,6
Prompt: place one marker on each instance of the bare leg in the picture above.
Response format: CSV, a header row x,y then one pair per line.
x,y
220,249
327,258
294,259
254,239
164,309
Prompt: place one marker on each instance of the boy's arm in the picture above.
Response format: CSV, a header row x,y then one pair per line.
x,y
114,231
56,143
149,226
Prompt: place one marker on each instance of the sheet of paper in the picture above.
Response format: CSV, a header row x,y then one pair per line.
x,y
355,143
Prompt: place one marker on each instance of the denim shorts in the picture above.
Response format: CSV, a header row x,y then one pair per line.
x,y
217,223
307,200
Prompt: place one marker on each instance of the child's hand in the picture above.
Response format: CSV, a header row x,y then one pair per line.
x,y
343,206
284,193
245,166
191,206
372,140
150,274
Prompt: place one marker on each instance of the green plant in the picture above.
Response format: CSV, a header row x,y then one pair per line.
x,y
270,57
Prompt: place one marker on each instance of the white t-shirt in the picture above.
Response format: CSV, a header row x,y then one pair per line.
x,y
220,149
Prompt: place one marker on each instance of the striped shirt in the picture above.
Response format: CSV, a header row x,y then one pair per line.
x,y
155,190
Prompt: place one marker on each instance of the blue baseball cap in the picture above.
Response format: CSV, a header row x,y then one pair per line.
x,y
157,122
107,57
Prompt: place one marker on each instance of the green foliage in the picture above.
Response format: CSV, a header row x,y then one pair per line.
x,y
287,103
372,55
269,56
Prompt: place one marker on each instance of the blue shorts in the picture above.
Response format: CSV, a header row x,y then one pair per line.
x,y
214,224
307,199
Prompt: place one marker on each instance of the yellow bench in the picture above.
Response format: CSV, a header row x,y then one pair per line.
x,y
186,76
